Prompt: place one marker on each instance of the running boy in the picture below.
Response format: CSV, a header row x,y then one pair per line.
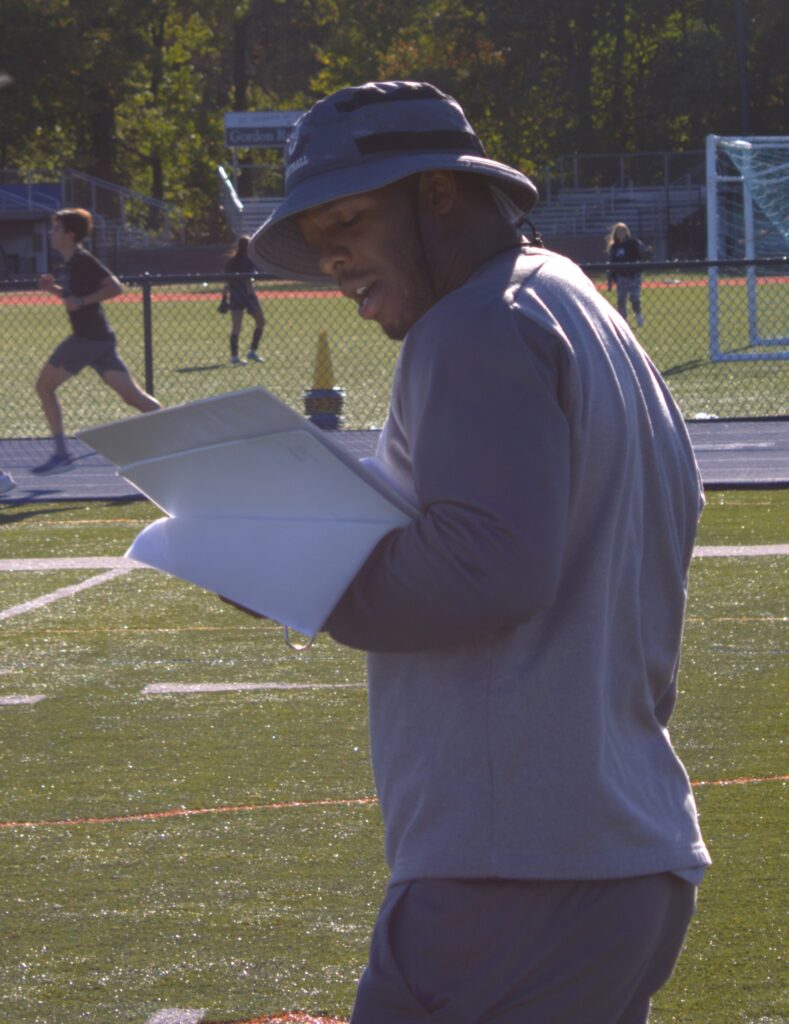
x,y
84,284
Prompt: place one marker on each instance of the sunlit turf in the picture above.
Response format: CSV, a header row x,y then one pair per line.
x,y
191,358
257,910
76,528
745,517
191,352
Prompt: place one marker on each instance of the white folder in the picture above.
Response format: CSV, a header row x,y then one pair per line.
x,y
262,506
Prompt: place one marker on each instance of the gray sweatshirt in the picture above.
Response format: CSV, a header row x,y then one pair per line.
x,y
525,629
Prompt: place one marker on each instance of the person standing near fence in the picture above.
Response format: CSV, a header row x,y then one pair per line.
x,y
7,482
83,284
239,293
622,247
524,630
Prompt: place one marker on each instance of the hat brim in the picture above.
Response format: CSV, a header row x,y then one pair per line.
x,y
278,248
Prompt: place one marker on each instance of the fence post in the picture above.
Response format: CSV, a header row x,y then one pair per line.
x,y
147,327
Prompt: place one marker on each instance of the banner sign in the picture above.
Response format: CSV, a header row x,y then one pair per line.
x,y
259,129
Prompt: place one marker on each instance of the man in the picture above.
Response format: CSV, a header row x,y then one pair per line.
x,y
524,631
85,284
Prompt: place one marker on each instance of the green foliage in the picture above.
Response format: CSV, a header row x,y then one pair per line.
x,y
136,92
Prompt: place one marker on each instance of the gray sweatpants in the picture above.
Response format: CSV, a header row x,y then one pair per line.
x,y
512,952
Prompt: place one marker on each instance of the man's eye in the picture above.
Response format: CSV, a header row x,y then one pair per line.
x,y
348,222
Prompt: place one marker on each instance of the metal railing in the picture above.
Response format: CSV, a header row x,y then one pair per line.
x,y
122,213
243,216
651,168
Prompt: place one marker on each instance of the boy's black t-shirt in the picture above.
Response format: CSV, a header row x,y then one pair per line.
x,y
82,275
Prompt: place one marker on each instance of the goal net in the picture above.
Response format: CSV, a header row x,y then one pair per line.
x,y
747,219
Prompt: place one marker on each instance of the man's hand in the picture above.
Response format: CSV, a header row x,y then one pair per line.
x,y
46,283
295,646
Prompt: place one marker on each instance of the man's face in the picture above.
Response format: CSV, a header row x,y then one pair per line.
x,y
370,245
60,240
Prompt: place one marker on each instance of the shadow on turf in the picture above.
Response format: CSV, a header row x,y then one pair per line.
x,y
692,364
51,508
695,364
200,369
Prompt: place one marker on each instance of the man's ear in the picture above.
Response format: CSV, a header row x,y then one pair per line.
x,y
438,190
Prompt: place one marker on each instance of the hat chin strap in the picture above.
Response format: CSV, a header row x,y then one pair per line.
x,y
514,214
509,210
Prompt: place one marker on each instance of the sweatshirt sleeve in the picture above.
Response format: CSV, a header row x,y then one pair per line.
x,y
481,400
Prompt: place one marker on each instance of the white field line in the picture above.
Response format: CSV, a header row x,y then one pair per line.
x,y
734,446
119,562
153,688
118,566
176,1016
47,564
741,551
21,698
57,595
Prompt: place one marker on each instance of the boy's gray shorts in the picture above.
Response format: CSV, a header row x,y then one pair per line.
x,y
523,952
75,353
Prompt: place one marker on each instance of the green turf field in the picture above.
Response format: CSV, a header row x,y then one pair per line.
x,y
191,352
251,886
190,345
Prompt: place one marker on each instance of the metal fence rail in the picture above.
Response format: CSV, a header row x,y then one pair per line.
x,y
175,342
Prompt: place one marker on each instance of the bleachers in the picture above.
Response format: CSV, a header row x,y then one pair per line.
x,y
578,212
647,211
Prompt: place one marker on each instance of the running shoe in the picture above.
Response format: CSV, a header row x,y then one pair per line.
x,y
57,463
253,356
238,361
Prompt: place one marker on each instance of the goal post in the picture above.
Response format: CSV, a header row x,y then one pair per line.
x,y
747,182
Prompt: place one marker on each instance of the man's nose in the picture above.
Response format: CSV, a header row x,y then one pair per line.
x,y
332,258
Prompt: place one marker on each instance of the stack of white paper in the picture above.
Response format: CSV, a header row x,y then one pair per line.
x,y
262,506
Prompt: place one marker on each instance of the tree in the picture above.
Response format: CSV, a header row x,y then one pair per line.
x,y
136,92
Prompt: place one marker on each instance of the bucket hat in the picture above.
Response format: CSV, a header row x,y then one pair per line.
x,y
360,139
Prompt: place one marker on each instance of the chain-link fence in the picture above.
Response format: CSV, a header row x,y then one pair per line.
x,y
719,334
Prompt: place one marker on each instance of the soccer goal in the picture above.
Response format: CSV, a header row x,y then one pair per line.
x,y
747,219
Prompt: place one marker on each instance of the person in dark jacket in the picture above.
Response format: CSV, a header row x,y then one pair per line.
x,y
622,247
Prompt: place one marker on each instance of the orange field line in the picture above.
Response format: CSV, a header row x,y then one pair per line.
x,y
741,782
362,801
45,299
701,282
185,812
213,291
